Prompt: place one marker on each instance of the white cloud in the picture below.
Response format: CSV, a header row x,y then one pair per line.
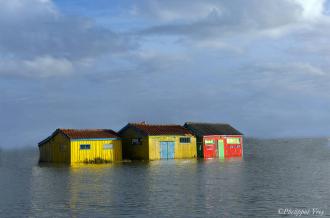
x,y
48,66
26,9
307,68
42,67
209,19
294,68
312,9
171,10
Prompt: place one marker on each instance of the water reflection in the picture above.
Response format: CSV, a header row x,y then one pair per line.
x,y
87,179
156,188
271,175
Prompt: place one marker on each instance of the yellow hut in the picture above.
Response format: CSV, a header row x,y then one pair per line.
x,y
154,142
81,146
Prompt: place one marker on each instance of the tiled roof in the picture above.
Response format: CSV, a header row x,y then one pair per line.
x,y
83,134
89,133
202,129
155,129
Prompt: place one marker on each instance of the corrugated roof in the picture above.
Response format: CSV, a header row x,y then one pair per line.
x,y
89,133
202,129
83,134
157,129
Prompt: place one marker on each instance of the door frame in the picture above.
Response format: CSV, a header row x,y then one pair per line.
x,y
161,143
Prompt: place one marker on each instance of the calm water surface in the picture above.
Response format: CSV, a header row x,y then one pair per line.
x,y
273,174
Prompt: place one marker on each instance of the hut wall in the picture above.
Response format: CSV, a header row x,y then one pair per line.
x,y
56,150
99,150
181,150
229,148
135,145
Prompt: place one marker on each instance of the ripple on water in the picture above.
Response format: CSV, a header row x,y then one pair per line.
x,y
273,174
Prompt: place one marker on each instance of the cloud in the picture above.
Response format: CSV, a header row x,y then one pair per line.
x,y
171,11
261,66
214,19
307,69
36,37
297,79
312,9
46,66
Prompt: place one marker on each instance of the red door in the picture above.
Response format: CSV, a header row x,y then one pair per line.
x,y
210,148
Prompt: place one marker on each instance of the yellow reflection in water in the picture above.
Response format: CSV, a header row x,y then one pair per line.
x,y
82,166
89,185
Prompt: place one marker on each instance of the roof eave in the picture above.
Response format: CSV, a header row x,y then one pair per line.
x,y
48,138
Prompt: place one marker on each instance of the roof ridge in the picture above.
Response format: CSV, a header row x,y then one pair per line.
x,y
212,128
84,129
158,129
154,124
206,123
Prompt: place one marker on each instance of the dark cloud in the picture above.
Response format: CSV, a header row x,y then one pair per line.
x,y
34,39
59,36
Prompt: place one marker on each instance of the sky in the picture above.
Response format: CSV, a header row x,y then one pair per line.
x,y
262,66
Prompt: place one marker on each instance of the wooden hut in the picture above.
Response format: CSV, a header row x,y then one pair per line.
x,y
81,146
154,142
216,140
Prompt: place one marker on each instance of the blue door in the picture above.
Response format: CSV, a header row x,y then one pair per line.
x,y
170,150
163,150
167,150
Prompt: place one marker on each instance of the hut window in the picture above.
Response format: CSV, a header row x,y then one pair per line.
x,y
209,141
137,141
107,146
85,146
233,141
185,140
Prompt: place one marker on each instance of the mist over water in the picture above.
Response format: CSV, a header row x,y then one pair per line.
x,y
273,174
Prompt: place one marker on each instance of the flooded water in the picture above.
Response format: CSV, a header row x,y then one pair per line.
x,y
273,175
